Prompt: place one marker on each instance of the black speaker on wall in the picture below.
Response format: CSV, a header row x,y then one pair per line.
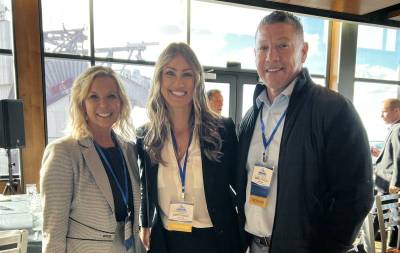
x,y
12,130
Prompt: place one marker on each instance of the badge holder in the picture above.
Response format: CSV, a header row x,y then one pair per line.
x,y
260,185
128,231
180,217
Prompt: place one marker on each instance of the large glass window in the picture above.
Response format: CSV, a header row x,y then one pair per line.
x,y
221,33
377,76
125,35
248,91
59,75
137,29
5,24
129,36
66,26
316,35
219,39
7,78
368,101
378,56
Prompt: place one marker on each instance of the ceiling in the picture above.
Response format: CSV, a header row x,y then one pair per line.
x,y
381,12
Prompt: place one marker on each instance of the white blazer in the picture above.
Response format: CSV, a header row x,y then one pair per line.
x,y
77,200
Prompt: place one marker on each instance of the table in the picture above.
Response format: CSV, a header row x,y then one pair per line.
x,y
23,211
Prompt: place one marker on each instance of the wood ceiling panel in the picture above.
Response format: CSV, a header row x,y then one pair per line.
x,y
395,15
358,7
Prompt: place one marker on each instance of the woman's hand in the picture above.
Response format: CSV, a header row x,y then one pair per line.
x,y
145,237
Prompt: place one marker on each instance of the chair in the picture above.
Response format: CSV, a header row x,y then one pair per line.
x,y
13,241
387,211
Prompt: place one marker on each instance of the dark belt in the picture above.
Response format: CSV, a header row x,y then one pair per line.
x,y
266,241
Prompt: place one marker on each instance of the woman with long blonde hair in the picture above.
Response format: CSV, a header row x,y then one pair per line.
x,y
187,155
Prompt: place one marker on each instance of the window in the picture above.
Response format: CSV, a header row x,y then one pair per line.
x,y
219,39
248,91
117,39
5,25
368,102
377,76
66,27
129,36
59,75
378,56
316,35
137,30
7,78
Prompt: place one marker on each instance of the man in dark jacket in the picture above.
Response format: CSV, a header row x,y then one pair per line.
x,y
305,178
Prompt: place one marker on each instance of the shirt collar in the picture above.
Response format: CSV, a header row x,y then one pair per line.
x,y
287,92
393,125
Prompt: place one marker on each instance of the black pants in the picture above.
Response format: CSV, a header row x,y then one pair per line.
x,y
201,240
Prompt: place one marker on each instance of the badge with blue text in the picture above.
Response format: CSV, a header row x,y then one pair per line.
x,y
180,217
260,185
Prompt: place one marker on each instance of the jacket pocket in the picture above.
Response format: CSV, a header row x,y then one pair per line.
x,y
80,231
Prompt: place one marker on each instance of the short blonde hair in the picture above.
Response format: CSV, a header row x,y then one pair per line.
x,y
78,127
203,119
392,103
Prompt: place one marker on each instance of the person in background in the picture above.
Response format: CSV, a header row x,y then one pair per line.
x,y
186,155
215,100
304,171
387,165
89,180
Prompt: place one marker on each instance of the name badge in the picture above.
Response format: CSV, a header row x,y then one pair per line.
x,y
260,185
128,232
180,217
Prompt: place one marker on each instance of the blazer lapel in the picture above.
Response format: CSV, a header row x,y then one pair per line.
x,y
384,146
130,157
209,178
97,169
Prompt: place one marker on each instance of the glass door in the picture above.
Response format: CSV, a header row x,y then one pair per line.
x,y
236,89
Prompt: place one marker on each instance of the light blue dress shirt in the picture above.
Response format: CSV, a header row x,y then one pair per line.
x,y
260,221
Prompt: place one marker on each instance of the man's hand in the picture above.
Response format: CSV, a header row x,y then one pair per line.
x,y
394,189
145,237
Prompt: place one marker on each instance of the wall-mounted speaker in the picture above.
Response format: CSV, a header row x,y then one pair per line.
x,y
12,130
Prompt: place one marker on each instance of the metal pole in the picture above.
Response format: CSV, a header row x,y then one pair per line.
x,y
10,185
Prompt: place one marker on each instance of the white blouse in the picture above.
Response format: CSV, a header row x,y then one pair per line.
x,y
170,187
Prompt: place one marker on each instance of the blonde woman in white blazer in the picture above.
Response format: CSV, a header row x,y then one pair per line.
x,y
89,179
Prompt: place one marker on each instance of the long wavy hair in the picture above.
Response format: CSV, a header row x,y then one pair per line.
x,y
78,127
204,121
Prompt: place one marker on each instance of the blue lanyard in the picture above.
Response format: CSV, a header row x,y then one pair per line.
x,y
108,166
182,170
266,142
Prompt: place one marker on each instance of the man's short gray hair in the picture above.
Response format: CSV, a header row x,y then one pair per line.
x,y
282,17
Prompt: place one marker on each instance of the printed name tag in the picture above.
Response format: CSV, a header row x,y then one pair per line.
x,y
180,216
260,185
